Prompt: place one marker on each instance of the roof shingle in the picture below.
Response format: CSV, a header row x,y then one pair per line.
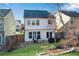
x,y
4,12
36,14
70,13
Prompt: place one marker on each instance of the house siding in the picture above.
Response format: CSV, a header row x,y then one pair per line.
x,y
9,24
7,31
43,27
1,24
42,34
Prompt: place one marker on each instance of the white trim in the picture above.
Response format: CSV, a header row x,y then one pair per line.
x,y
1,38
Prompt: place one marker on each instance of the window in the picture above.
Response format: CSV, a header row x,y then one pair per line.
x,y
28,22
34,34
38,35
49,22
37,22
30,35
17,30
1,24
33,22
47,34
1,20
71,21
0,39
50,34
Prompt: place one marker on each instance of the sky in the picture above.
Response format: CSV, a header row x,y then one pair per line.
x,y
18,8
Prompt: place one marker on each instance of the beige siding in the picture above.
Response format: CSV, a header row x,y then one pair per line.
x,y
9,24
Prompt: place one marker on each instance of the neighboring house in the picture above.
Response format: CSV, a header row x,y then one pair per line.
x,y
39,24
7,26
19,31
18,26
71,21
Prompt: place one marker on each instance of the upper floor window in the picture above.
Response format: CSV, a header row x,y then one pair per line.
x,y
33,22
37,22
71,21
28,22
49,22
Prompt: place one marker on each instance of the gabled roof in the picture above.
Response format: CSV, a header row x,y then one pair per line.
x,y
4,12
36,14
70,13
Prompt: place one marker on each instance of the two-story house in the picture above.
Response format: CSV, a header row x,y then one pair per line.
x,y
7,26
71,21
39,24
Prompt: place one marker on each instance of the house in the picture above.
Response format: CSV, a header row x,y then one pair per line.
x,y
7,27
19,31
39,25
18,25
71,21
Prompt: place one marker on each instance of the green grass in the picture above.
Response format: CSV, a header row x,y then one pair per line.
x,y
31,50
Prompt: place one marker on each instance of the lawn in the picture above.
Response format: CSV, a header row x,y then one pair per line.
x,y
31,50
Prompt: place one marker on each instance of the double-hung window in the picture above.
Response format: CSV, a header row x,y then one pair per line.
x,y
37,22
28,22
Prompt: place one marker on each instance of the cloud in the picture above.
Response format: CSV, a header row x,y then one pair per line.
x,y
71,6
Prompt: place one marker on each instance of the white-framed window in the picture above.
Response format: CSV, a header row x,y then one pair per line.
x,y
0,39
34,35
48,34
28,22
49,22
38,35
37,22
33,22
30,35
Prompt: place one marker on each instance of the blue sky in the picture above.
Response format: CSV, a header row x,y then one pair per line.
x,y
18,8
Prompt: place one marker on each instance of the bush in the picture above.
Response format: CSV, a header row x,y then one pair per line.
x,y
51,40
57,40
